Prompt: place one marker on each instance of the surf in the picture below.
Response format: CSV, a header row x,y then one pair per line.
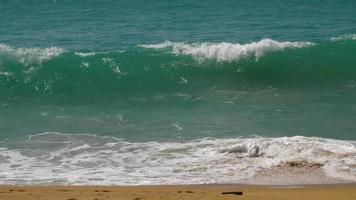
x,y
55,158
172,66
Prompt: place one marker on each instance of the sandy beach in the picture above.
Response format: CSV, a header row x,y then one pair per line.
x,y
208,192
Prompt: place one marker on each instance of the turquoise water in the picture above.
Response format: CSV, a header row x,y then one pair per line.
x,y
108,24
78,76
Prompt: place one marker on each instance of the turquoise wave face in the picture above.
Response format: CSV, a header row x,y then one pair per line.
x,y
61,74
182,91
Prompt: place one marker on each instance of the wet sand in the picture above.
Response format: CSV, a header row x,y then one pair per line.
x,y
201,192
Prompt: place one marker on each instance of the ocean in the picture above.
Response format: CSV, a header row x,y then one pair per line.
x,y
145,92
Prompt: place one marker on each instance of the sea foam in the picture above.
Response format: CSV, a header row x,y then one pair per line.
x,y
27,56
344,37
81,159
224,51
85,54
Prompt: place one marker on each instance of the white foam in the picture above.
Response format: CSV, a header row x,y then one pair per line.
x,y
28,56
226,51
92,160
344,37
85,54
6,73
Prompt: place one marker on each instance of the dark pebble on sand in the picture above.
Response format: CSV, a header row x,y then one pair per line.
x,y
235,193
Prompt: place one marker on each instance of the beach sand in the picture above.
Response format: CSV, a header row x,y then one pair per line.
x,y
205,192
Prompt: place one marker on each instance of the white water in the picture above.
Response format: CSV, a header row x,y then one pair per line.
x,y
226,52
27,56
344,37
54,158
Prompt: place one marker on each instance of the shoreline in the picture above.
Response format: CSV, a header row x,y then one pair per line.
x,y
72,159
208,192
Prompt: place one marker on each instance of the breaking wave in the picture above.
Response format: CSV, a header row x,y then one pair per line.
x,y
81,159
344,37
227,51
28,56
172,66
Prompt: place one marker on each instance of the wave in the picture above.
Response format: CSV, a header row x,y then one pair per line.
x,y
27,56
344,37
57,158
227,51
172,66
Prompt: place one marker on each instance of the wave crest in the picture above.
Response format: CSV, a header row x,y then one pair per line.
x,y
27,56
344,37
226,52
